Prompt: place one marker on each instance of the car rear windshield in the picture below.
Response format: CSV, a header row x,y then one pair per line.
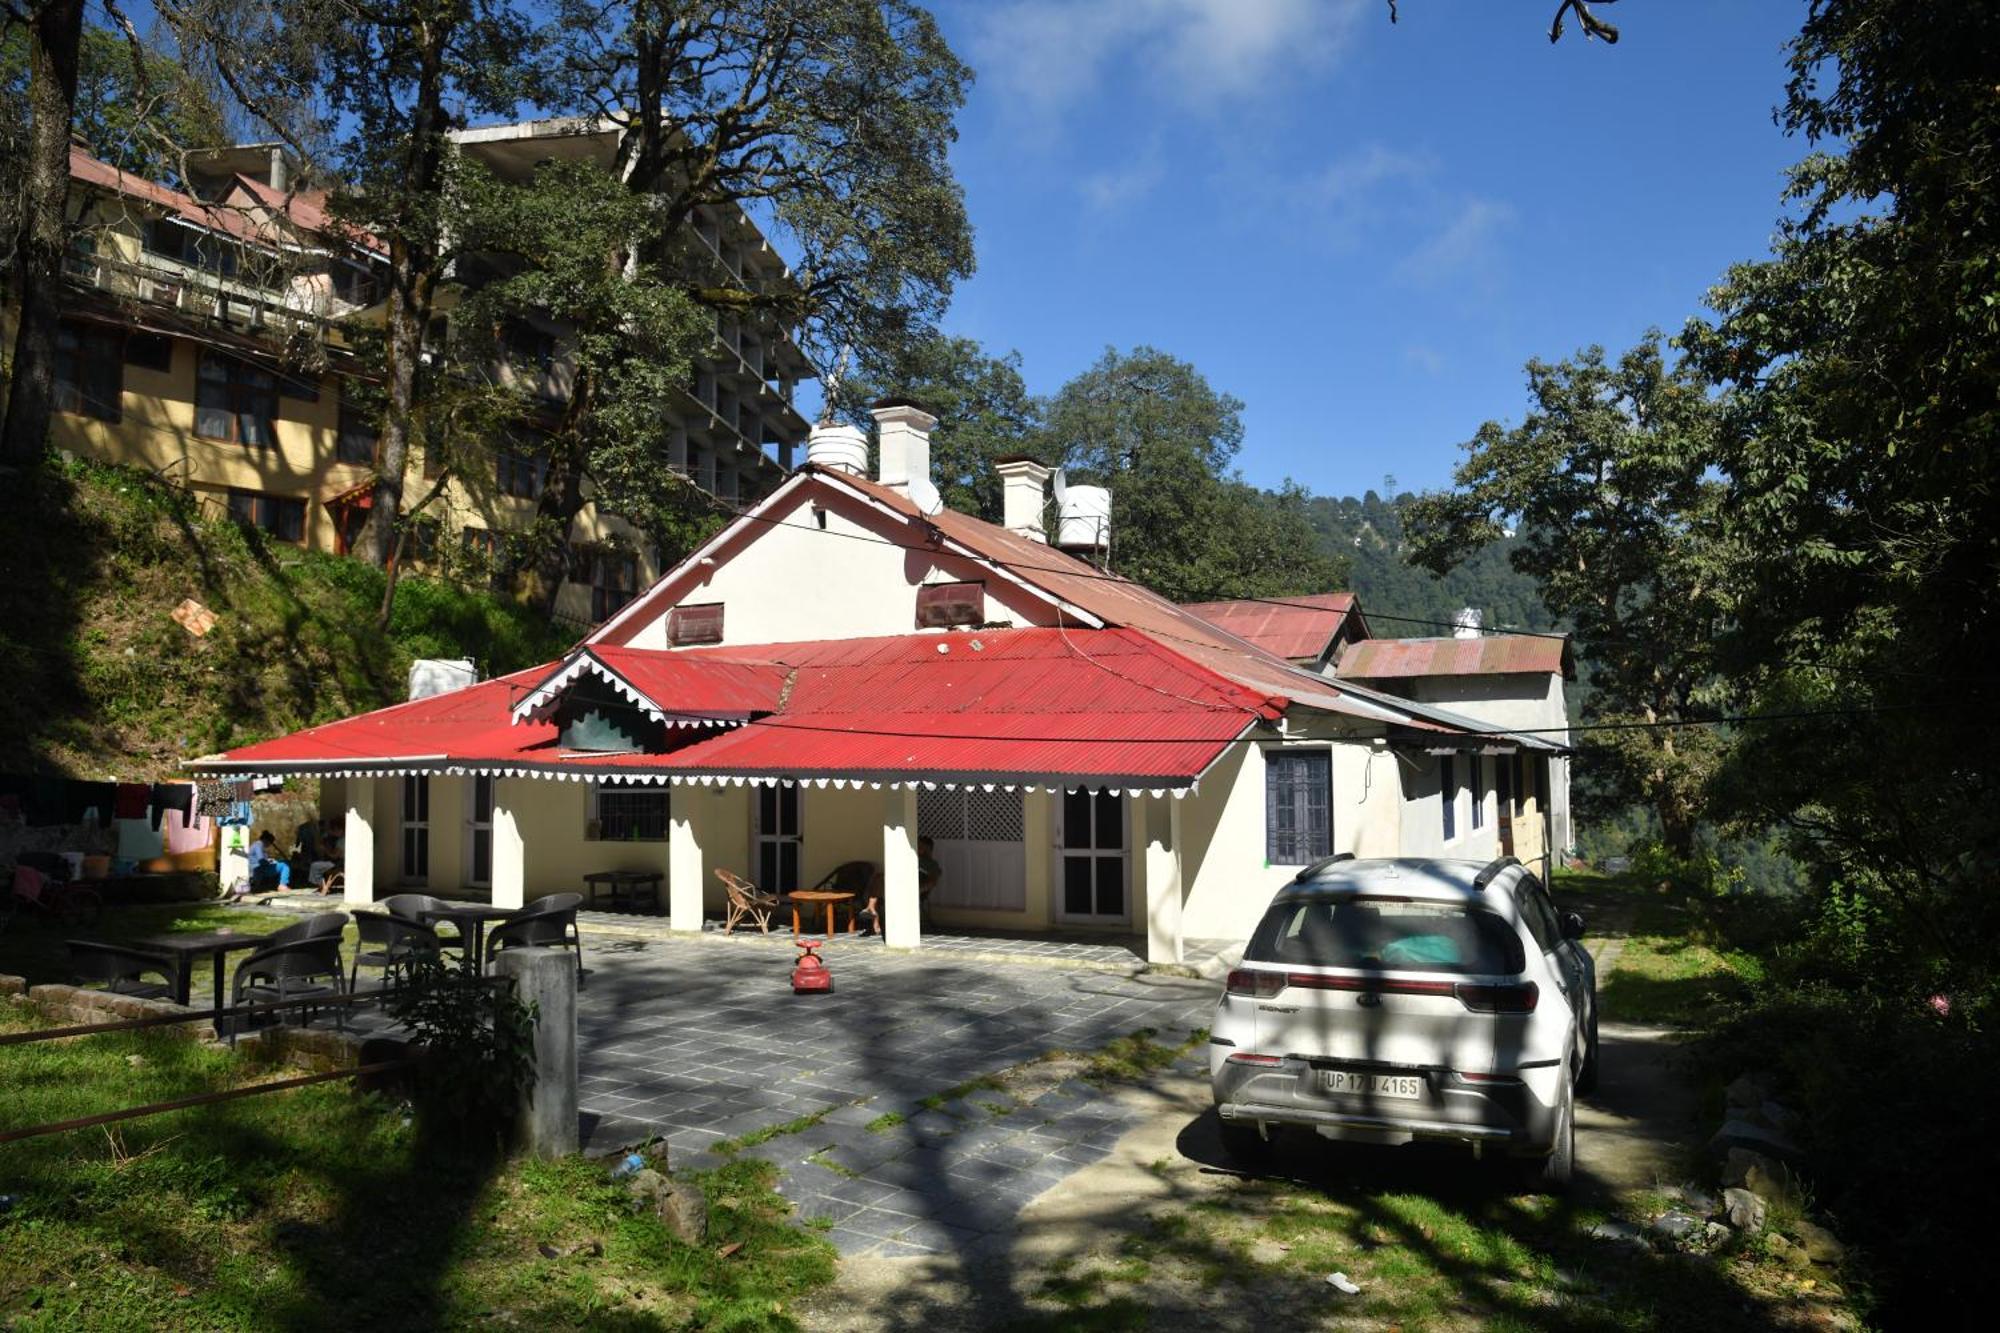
x,y
1393,936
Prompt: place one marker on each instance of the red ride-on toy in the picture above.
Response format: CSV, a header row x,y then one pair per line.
x,y
810,975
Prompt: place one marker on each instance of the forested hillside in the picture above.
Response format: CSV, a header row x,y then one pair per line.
x,y
1368,534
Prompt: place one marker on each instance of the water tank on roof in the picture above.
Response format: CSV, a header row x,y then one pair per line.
x,y
1084,519
841,448
436,675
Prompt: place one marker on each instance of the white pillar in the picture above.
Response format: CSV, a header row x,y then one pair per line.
x,y
901,928
358,840
511,796
1160,873
685,867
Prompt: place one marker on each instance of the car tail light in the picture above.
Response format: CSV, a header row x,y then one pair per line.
x,y
1252,1058
1510,998
1487,1078
1249,981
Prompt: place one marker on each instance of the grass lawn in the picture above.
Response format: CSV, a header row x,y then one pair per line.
x,y
321,1208
31,945
1672,968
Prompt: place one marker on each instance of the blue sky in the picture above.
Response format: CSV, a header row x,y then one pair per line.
x,y
1362,231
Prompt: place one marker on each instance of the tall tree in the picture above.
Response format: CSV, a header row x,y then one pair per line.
x,y
138,105
1151,429
556,248
54,31
1609,479
1863,364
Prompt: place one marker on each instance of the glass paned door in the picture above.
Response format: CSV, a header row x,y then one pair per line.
x,y
778,839
480,826
416,829
1092,882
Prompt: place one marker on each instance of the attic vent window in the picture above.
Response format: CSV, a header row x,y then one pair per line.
x,y
688,625
945,605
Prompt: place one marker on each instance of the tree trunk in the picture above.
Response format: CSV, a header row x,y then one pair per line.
x,y
556,509
413,275
54,32
1678,827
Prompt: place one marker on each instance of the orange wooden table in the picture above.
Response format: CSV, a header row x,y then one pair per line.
x,y
813,897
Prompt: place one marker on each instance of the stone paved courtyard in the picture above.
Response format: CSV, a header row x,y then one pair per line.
x,y
703,1041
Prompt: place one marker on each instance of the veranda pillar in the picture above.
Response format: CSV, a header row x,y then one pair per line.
x,y
358,838
511,796
901,927
1159,870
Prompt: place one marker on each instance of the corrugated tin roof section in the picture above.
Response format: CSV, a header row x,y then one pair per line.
x,y
1488,655
1044,705
1299,629
309,211
698,686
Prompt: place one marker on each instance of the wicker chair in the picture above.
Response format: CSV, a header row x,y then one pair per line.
x,y
120,970
748,902
546,923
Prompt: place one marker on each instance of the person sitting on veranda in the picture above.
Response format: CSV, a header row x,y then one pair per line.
x,y
929,875
267,868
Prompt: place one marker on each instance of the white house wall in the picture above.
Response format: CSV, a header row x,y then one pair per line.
x,y
1518,701
789,581
1225,877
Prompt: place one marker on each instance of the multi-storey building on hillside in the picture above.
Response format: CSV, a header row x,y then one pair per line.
x,y
211,335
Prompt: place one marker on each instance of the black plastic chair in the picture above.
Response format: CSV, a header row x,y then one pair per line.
x,y
390,943
294,970
544,923
317,926
412,906
121,970
849,877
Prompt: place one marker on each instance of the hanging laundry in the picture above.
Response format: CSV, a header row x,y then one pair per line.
x,y
238,816
171,796
91,802
186,834
213,799
130,802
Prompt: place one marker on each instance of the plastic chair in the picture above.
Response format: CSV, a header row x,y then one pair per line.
x,y
121,970
300,968
544,923
412,906
390,943
849,877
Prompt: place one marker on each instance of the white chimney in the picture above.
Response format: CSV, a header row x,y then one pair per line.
x,y
903,442
1024,496
839,448
1465,625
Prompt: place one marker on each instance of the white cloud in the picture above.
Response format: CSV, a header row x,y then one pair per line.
x,y
1041,57
1464,243
1424,358
1112,189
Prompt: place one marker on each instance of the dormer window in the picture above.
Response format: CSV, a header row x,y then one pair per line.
x,y
690,625
948,605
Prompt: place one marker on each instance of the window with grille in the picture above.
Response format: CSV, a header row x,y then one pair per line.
x,y
630,814
90,372
943,605
485,556
1478,784
234,400
282,516
1298,806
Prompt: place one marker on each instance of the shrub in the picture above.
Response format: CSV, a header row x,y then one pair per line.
x,y
478,1044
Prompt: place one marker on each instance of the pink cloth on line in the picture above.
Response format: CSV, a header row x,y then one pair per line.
x,y
29,883
186,834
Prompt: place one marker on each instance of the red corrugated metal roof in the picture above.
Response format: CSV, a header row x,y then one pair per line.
x,y
1299,629
1488,655
1031,704
309,211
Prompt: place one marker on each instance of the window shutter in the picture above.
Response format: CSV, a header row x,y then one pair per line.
x,y
944,605
695,624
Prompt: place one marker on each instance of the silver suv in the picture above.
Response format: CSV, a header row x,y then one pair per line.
x,y
1388,1000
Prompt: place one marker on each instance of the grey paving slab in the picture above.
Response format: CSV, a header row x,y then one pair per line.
x,y
702,1041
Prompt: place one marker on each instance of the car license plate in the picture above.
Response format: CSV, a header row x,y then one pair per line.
x,y
1406,1087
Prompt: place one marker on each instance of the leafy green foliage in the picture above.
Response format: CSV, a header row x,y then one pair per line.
x,y
1609,477
135,108
1153,430
106,681
478,1041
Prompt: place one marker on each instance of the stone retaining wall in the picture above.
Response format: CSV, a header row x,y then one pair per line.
x,y
311,1049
